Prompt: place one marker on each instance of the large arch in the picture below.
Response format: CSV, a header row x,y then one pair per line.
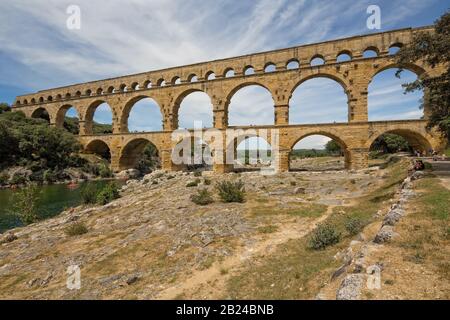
x,y
141,113
41,113
330,136
92,110
99,148
70,111
193,105
192,153
386,98
131,153
250,103
321,98
417,140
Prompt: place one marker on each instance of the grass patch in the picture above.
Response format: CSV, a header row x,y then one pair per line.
x,y
76,229
268,229
302,210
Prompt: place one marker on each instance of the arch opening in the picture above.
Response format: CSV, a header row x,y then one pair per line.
x,y
344,56
100,149
251,104
99,118
140,154
229,73
210,76
317,61
142,114
249,70
193,154
270,67
195,110
293,64
399,141
319,152
387,99
68,118
252,153
318,100
41,113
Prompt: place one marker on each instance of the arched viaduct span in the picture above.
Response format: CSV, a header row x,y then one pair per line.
x,y
170,86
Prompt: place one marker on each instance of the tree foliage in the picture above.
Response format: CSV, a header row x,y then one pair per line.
x,y
33,143
433,48
332,147
390,143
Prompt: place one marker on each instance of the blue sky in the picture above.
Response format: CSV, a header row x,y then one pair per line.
x,y
37,50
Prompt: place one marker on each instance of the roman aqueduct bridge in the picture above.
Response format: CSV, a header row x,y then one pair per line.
x,y
168,87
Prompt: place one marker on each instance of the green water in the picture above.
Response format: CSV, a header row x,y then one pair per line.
x,y
53,200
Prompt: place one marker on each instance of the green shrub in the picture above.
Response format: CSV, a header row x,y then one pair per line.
x,y
25,204
293,183
197,173
104,171
231,191
109,193
49,176
76,229
194,183
323,236
89,193
202,197
207,182
4,178
170,177
18,178
354,226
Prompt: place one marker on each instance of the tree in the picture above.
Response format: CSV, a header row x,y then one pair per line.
x,y
433,48
25,204
4,107
390,143
332,147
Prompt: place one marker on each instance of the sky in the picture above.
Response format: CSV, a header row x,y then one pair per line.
x,y
38,51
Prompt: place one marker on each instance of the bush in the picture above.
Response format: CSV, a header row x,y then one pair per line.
x,y
109,193
89,193
197,173
202,197
49,176
207,182
37,176
25,204
104,171
231,191
76,229
194,183
4,178
354,226
323,236
18,178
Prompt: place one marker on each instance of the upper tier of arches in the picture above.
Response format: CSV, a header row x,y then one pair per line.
x,y
331,52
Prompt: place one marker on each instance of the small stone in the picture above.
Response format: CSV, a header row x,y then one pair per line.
x,y
385,234
350,287
132,280
299,190
10,237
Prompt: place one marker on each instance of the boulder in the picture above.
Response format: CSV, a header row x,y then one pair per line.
x,y
385,234
350,287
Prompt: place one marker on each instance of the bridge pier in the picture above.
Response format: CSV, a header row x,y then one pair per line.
x,y
357,159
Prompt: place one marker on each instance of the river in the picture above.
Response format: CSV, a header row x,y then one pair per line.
x,y
53,199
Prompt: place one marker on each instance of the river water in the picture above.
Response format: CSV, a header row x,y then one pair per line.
x,y
53,199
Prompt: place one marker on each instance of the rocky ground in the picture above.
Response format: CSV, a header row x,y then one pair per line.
x,y
154,243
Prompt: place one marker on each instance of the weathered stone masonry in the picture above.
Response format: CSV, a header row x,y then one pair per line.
x,y
169,87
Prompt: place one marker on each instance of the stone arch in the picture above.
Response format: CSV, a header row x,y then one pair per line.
x,y
419,71
88,92
132,151
257,157
320,60
89,115
49,98
249,70
373,49
199,153
41,99
292,64
135,86
176,80
333,136
179,100
161,83
41,113
333,77
229,73
110,89
100,148
270,67
395,47
210,75
61,114
192,78
33,100
343,54
127,109
416,139
240,86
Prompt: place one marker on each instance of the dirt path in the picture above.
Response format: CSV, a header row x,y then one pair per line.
x,y
211,283
442,170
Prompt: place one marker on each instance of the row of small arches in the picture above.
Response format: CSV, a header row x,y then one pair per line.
x,y
316,60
